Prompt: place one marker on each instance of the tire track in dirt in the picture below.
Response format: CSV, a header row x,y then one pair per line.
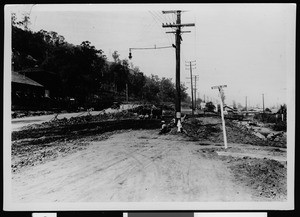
x,y
144,158
131,166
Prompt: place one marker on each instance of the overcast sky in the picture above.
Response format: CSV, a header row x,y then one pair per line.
x,y
249,47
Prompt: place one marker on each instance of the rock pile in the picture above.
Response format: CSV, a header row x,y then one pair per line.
x,y
263,132
236,133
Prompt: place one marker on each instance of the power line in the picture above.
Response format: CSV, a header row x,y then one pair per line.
x,y
191,77
156,16
145,31
158,22
169,19
162,20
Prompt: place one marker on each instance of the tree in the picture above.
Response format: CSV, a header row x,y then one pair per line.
x,y
119,75
136,82
166,90
83,71
151,89
198,103
210,107
183,93
13,19
282,109
26,21
116,56
23,24
268,110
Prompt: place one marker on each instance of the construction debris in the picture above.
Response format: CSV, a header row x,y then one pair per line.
x,y
210,129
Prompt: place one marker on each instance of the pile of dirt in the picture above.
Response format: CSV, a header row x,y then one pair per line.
x,y
267,177
248,133
56,122
264,131
66,131
211,130
196,129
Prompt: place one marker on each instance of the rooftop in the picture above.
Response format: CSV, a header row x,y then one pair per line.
x,y
22,79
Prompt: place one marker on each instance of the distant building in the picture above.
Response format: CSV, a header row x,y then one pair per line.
x,y
25,91
229,110
49,80
202,105
274,110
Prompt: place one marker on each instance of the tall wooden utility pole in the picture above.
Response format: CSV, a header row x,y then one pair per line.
x,y
263,99
195,89
192,92
263,106
192,95
178,40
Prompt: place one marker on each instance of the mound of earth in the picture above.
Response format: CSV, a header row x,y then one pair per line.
x,y
210,129
266,176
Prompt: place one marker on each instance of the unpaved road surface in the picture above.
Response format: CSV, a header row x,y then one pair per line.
x,y
19,123
135,166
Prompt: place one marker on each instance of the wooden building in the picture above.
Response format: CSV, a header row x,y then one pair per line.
x,y
25,92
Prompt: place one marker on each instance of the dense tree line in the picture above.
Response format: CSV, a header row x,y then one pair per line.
x,y
84,72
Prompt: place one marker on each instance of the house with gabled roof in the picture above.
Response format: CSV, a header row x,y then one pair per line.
x,y
25,91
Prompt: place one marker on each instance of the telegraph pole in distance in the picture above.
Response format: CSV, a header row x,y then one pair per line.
x,y
178,40
263,106
192,92
263,98
195,89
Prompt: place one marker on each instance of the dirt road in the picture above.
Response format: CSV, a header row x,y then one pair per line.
x,y
19,123
139,166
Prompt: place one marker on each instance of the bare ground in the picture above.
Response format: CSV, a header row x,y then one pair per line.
x,y
140,165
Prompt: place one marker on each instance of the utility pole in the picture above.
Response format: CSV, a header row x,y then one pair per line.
x,y
178,40
220,88
263,98
263,106
192,92
195,89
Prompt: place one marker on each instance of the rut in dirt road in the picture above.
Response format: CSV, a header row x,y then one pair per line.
x,y
133,166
